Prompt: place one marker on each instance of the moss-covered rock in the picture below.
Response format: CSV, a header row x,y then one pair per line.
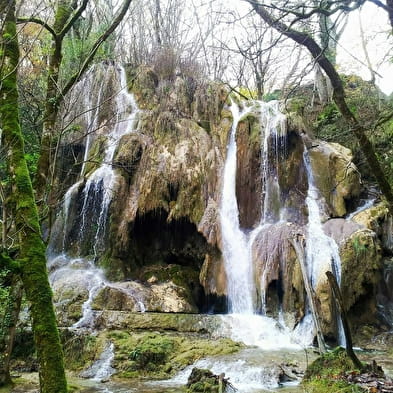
x,y
96,154
155,355
143,84
188,323
361,272
204,381
324,375
378,220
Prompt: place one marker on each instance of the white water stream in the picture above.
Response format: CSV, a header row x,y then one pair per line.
x,y
101,182
322,253
103,179
237,245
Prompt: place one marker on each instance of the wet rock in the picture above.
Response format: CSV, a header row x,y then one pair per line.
x,y
277,269
202,380
134,297
340,229
361,272
201,323
248,172
69,294
335,175
378,220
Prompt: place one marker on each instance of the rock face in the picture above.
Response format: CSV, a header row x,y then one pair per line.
x,y
150,217
335,175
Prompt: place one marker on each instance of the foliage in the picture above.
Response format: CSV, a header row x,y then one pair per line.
x,y
4,293
325,373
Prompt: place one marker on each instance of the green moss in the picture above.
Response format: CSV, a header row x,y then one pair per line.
x,y
81,350
157,355
329,364
326,373
331,386
202,380
179,275
143,84
32,248
96,154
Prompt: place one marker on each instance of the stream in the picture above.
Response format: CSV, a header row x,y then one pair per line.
x,y
252,370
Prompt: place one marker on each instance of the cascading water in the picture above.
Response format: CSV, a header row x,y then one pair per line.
x,y
103,179
99,187
275,129
237,245
236,251
101,369
322,252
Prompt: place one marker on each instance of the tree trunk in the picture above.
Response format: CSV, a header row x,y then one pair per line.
x,y
42,181
321,85
343,315
8,329
32,249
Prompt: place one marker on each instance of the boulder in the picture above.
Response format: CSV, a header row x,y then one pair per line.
x,y
335,175
133,297
361,272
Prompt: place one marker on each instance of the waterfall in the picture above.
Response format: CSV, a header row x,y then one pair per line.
x,y
236,251
275,129
103,179
101,369
322,253
98,188
237,245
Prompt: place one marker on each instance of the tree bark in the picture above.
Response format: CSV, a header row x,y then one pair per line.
x,y
298,247
63,14
31,247
343,315
352,122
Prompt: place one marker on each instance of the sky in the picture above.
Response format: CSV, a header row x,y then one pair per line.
x,y
350,56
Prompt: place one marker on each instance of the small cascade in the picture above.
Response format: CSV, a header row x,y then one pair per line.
x,y
364,206
97,190
95,280
101,369
273,148
260,331
322,252
101,183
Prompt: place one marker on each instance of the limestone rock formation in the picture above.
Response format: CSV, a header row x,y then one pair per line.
x,y
335,175
151,216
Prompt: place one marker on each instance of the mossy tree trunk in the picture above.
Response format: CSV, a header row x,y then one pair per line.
x,y
319,56
31,247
